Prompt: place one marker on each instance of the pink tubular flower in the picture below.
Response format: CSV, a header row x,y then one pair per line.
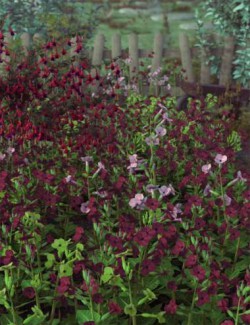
x,y
220,159
2,156
152,140
206,168
166,190
166,117
207,189
10,151
137,200
226,199
133,161
84,207
151,188
160,131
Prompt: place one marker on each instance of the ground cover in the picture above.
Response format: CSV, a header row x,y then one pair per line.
x,y
113,211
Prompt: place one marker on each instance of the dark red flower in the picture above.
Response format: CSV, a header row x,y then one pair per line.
x,y
172,286
178,247
191,261
148,266
97,298
227,322
203,298
29,292
144,236
152,204
246,319
114,308
223,305
199,272
115,242
171,307
78,234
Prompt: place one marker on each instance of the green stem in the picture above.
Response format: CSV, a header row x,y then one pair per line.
x,y
236,251
192,306
237,313
53,308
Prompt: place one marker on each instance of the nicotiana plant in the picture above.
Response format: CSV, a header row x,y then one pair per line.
x,y
113,211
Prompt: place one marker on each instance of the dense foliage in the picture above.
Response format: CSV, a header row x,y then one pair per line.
x,y
113,211
50,17
232,18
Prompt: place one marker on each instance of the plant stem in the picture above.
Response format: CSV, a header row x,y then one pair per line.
x,y
53,308
237,313
192,306
236,251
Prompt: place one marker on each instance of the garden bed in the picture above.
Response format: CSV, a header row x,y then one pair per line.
x,y
129,213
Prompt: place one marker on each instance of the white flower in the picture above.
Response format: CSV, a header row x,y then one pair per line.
x,y
206,168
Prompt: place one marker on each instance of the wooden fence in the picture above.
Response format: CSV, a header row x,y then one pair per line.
x,y
186,54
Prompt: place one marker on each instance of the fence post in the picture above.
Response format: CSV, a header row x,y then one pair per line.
x,y
227,61
116,46
25,38
37,40
186,57
133,54
156,61
97,57
5,58
205,68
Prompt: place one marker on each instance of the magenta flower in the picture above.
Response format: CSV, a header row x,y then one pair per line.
x,y
227,322
191,261
203,298
206,168
199,272
114,308
220,159
137,200
171,307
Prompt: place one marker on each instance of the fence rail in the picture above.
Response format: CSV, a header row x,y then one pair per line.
x,y
185,53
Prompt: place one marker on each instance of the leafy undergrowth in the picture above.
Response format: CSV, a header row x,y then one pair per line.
x,y
129,214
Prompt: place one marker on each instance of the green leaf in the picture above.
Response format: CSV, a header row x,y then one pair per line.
x,y
107,275
86,316
8,320
239,7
